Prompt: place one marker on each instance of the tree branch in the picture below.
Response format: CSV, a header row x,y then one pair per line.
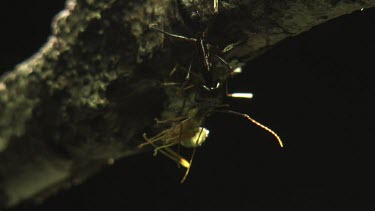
x,y
87,96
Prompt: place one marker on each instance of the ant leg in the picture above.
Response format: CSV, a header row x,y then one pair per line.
x,y
207,75
232,71
231,46
162,147
206,55
191,158
184,83
176,119
172,155
223,61
170,84
189,70
169,153
173,70
153,139
188,168
182,161
190,73
151,26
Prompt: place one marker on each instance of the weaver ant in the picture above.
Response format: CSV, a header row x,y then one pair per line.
x,y
185,129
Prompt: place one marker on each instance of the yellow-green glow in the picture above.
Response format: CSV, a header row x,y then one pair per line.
x,y
241,95
184,163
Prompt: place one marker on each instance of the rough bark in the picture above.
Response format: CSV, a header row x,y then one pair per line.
x,y
87,96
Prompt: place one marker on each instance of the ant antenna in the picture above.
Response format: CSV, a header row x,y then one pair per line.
x,y
256,123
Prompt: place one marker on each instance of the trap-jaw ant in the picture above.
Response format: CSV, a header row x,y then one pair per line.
x,y
202,88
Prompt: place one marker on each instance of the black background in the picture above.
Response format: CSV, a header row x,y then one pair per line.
x,y
315,90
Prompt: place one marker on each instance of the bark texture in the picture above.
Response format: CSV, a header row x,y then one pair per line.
x,y
87,96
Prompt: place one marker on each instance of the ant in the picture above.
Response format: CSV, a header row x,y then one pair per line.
x,y
185,130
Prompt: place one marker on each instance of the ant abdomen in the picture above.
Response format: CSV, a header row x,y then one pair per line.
x,y
196,14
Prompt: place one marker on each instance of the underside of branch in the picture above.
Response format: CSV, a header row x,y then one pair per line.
x,y
85,99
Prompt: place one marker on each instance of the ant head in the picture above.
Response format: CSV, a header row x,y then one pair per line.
x,y
196,14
